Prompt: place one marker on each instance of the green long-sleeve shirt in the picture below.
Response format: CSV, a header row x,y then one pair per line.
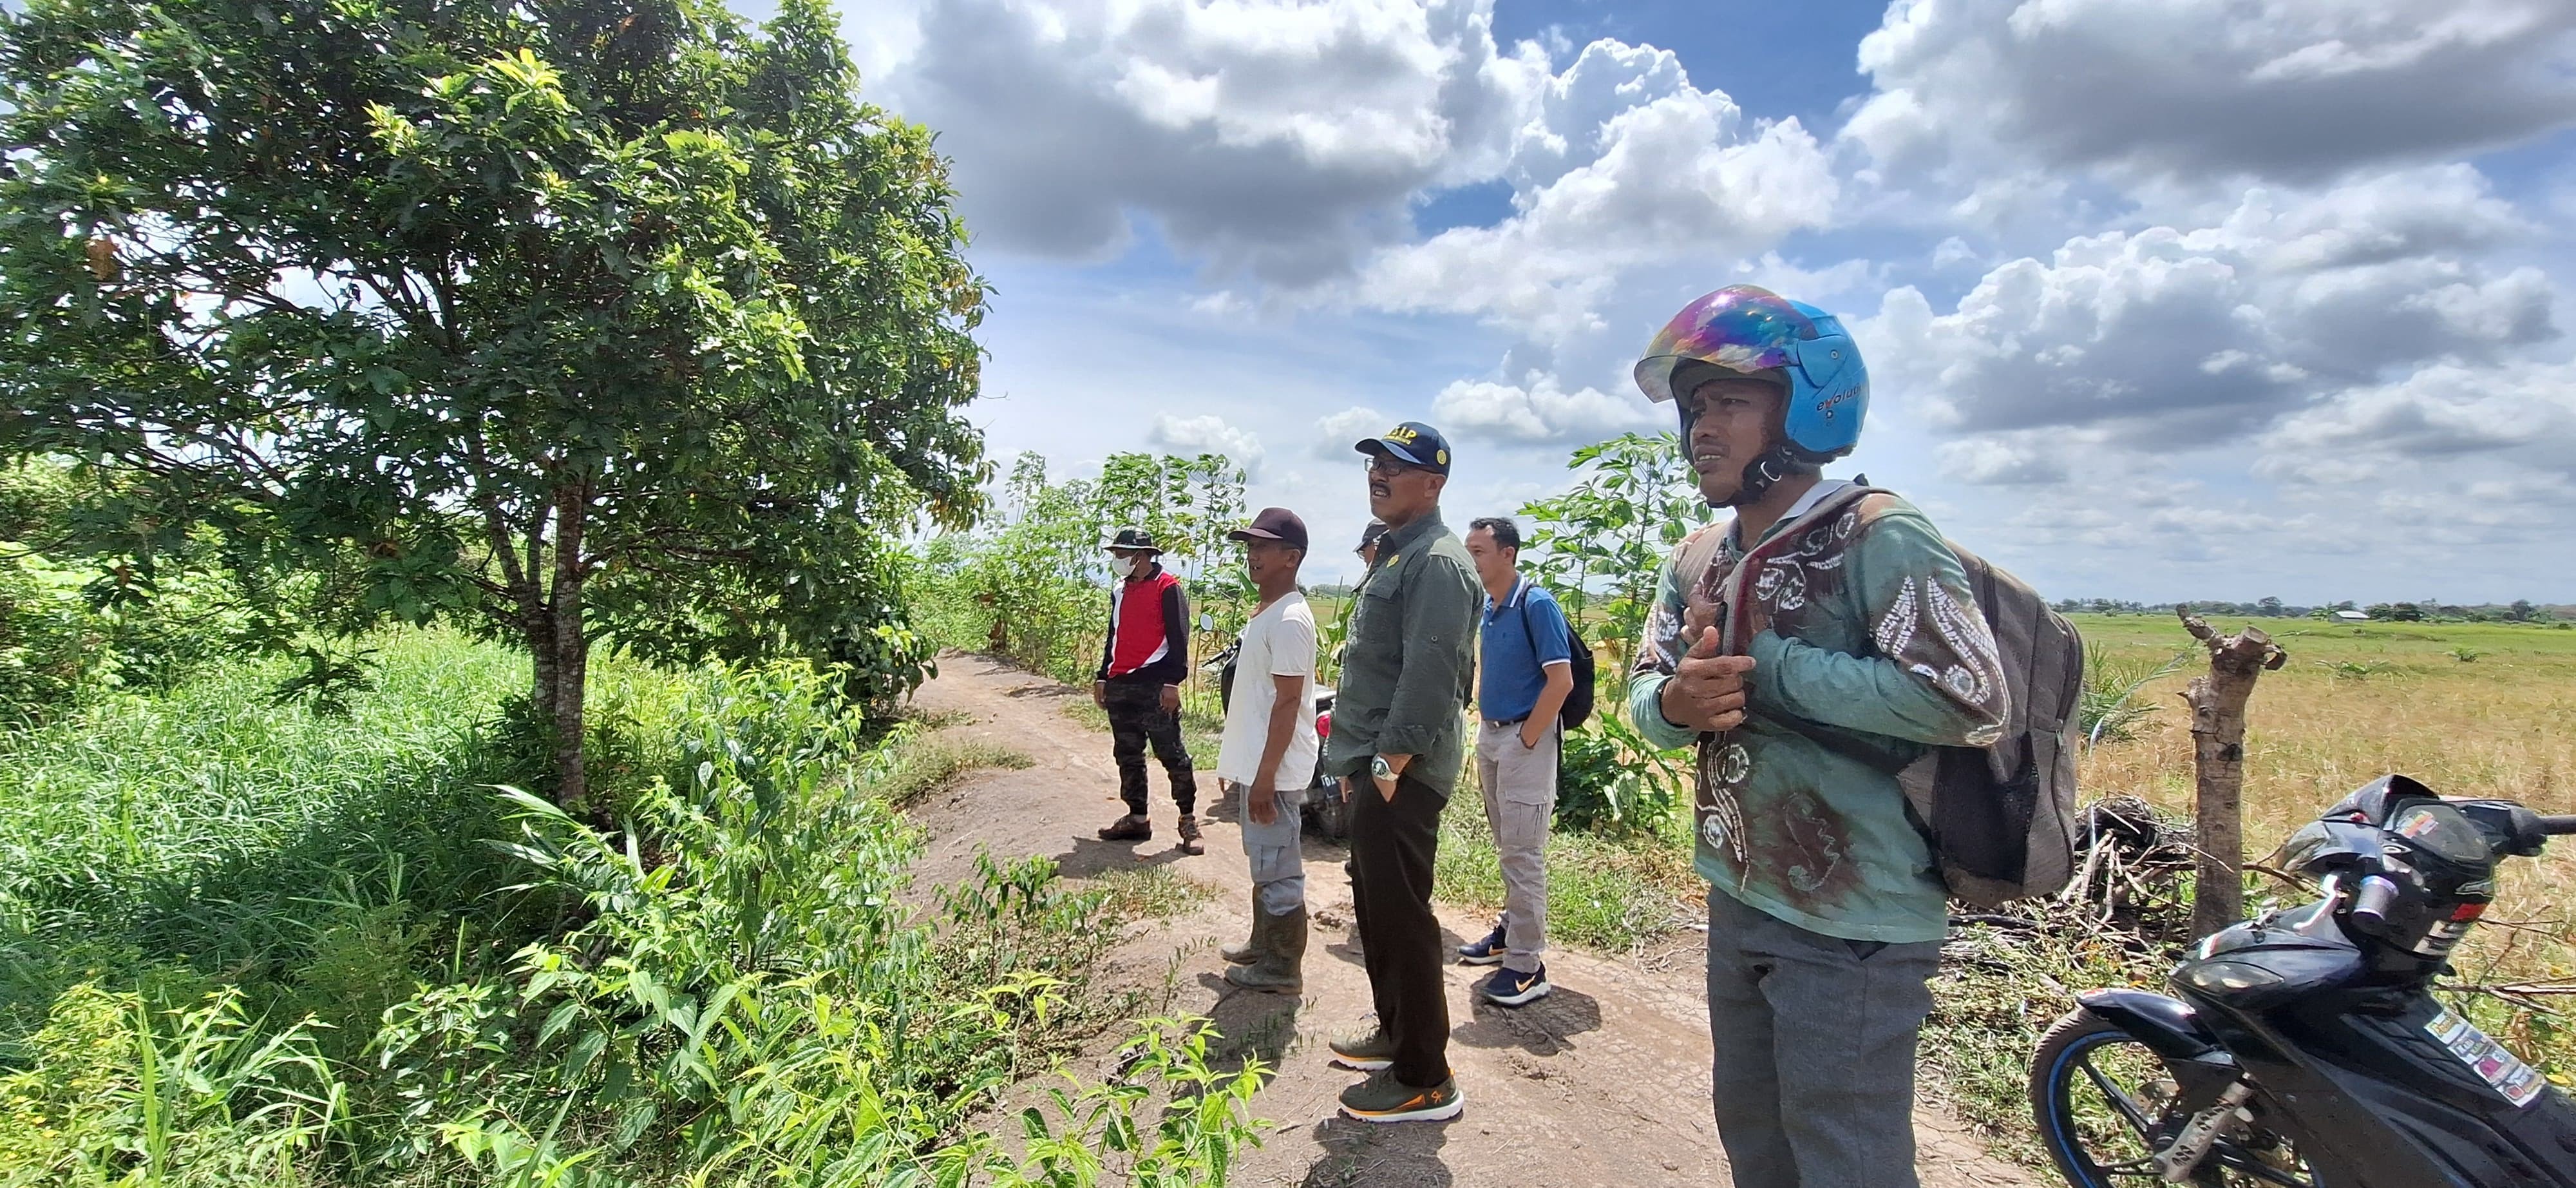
x,y
1866,647
1410,657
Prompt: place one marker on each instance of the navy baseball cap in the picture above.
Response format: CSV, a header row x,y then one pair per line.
x,y
1412,443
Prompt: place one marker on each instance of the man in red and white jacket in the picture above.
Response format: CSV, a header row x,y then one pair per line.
x,y
1142,665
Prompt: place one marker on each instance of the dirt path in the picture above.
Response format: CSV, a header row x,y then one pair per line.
x,y
1603,1082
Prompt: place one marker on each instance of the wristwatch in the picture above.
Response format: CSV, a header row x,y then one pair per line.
x,y
1379,768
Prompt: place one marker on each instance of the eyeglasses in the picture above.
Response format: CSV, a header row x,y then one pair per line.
x,y
1388,465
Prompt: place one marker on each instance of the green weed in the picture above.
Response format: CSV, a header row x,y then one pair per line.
x,y
247,945
914,764
2111,707
1151,892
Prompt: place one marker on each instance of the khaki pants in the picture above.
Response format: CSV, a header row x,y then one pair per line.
x,y
1520,801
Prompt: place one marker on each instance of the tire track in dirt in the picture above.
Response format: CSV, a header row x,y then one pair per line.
x,y
1603,1082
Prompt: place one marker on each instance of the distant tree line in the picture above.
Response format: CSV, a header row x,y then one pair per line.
x,y
2427,610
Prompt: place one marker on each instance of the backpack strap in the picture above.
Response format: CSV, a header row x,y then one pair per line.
x,y
1885,755
1740,585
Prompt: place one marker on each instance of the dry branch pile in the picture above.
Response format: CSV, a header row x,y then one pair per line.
x,y
2007,974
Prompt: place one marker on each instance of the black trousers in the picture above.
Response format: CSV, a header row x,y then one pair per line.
x,y
1392,846
1137,718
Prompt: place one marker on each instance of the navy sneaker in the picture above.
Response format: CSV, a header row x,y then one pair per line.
x,y
1511,987
1488,951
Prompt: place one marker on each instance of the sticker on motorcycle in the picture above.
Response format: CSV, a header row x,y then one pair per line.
x,y
2519,1082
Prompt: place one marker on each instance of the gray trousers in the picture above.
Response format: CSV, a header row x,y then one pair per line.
x,y
1275,851
1814,1074
1520,802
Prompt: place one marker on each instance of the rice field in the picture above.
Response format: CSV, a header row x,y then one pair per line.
x,y
2471,709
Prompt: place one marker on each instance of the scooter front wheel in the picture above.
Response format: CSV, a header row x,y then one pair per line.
x,y
2106,1104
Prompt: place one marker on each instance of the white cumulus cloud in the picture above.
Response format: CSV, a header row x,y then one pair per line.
x,y
1206,435
1275,138
1536,411
1336,434
2166,336
1624,165
2295,90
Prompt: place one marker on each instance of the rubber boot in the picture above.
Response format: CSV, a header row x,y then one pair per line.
x,y
1253,946
1281,968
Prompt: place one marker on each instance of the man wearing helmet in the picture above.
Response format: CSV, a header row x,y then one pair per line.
x,y
1810,648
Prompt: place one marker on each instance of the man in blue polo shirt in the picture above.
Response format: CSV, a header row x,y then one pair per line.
x,y
1525,671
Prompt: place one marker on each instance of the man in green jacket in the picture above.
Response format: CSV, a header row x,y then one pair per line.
x,y
1398,737
1811,647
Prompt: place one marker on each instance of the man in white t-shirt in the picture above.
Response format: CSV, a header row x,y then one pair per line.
x,y
1269,752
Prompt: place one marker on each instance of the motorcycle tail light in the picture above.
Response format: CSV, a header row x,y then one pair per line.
x,y
2468,912
1324,724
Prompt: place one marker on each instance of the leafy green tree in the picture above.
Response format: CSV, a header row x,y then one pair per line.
x,y
1033,586
590,321
1634,500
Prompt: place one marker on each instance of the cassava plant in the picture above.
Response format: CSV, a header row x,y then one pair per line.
x,y
1599,546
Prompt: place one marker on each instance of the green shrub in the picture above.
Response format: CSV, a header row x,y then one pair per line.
x,y
2357,670
308,921
2111,709
1612,779
53,648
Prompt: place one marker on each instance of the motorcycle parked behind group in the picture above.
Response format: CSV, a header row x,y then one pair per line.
x,y
2305,1047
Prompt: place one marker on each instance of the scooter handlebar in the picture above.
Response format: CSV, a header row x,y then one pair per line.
x,y
2558,826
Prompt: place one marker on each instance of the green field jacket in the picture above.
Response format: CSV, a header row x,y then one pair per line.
x,y
1410,659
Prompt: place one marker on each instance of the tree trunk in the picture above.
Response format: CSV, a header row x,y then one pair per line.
x,y
2217,702
569,647
537,631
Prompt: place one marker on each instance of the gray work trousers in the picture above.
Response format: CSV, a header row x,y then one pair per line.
x,y
1813,1079
1274,850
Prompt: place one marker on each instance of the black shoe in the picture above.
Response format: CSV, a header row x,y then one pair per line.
x,y
1128,828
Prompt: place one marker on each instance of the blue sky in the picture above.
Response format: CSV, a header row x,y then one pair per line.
x,y
2161,298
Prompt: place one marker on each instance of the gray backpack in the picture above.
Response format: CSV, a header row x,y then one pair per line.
x,y
2000,820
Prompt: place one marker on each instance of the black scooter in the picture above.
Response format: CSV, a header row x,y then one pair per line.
x,y
2306,1049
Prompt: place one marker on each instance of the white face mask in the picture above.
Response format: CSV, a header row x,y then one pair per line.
x,y
1134,567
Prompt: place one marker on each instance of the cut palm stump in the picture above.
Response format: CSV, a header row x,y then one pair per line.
x,y
2217,701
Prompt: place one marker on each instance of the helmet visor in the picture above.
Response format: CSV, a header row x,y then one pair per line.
x,y
1739,328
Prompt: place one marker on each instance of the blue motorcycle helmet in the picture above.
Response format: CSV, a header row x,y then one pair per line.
x,y
1750,332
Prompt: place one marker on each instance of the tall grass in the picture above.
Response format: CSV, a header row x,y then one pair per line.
x,y
245,946
209,835
2353,704
2494,728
